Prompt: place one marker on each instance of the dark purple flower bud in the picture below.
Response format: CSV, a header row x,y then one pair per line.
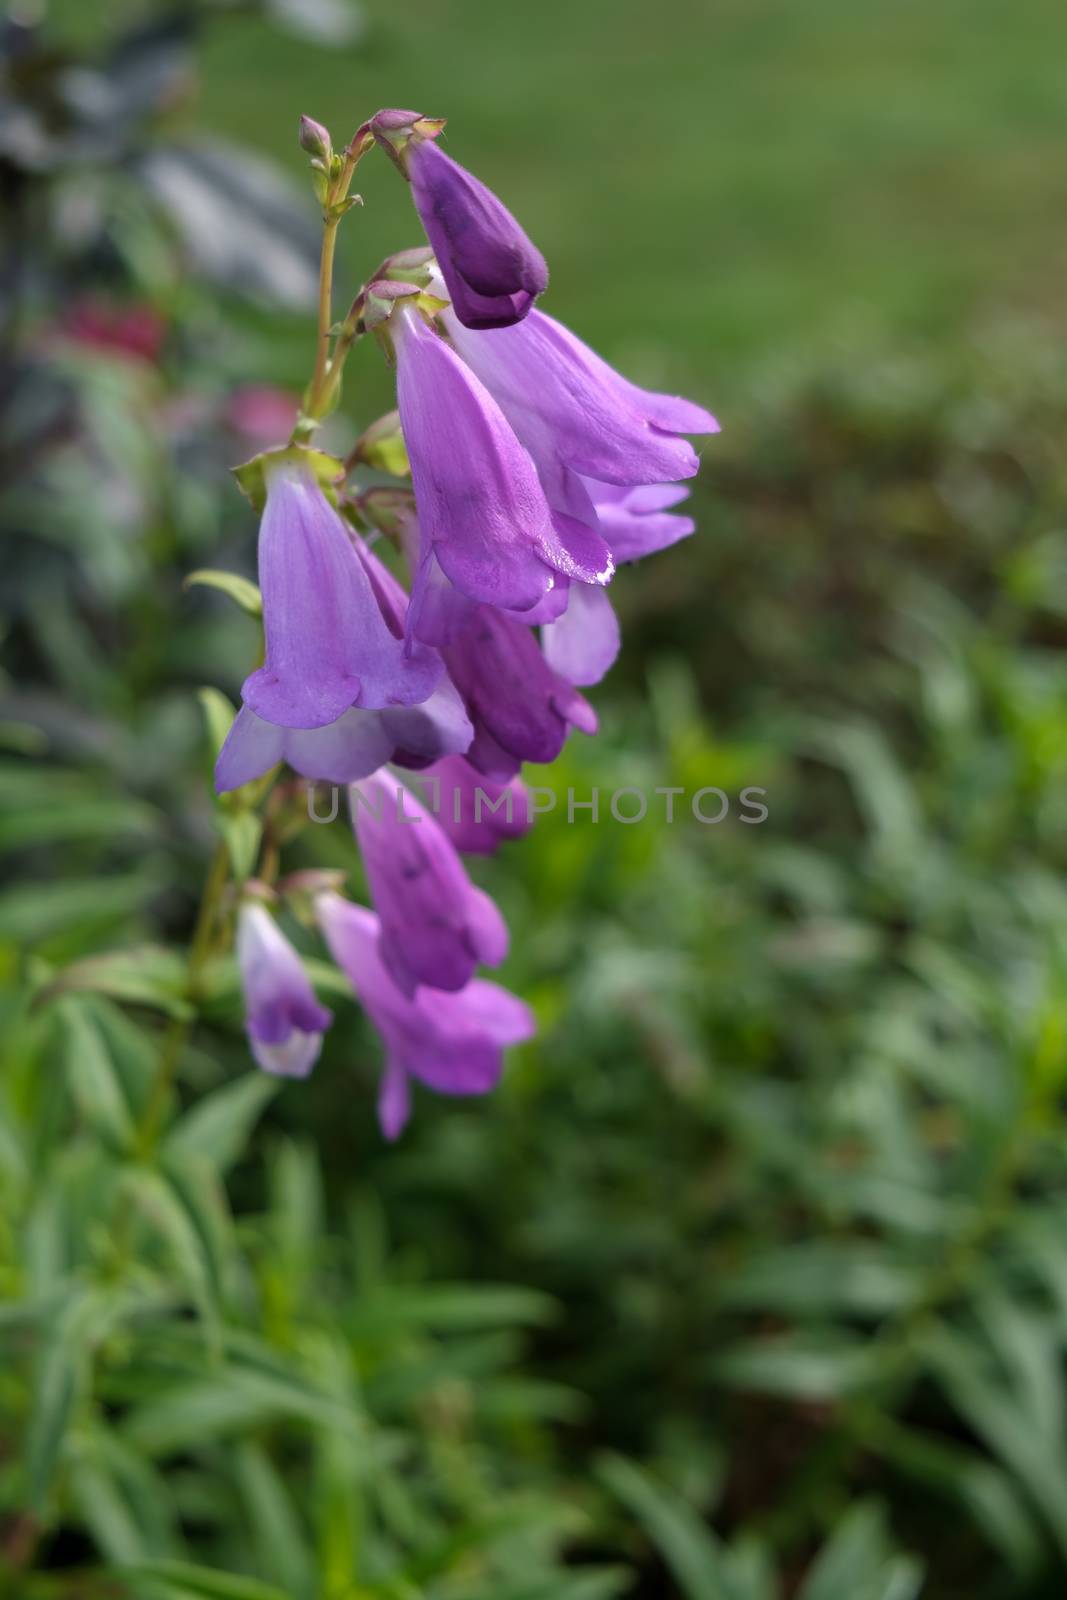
x,y
522,710
477,813
565,403
328,646
492,270
482,511
315,139
436,926
283,1019
451,1042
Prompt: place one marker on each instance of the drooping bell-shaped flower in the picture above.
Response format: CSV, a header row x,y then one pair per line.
x,y
521,708
451,1042
492,270
284,1021
476,812
327,645
561,397
435,925
481,509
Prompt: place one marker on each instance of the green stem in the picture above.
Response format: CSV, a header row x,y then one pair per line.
x,y
328,369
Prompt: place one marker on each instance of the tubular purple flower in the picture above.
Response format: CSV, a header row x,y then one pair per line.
x,y
481,509
284,1021
492,270
522,710
561,396
328,646
476,812
452,1042
435,925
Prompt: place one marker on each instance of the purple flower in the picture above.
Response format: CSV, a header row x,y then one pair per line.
x,y
283,1019
482,512
573,411
436,926
492,270
522,710
637,522
476,812
354,746
328,646
453,1043
583,644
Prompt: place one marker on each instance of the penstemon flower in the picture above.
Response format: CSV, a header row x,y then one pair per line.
x,y
536,469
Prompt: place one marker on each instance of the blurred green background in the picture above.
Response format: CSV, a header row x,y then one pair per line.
x,y
751,1281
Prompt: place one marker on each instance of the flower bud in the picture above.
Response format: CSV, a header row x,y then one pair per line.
x,y
315,139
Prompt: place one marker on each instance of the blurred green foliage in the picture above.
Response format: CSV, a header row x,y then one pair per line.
x,y
751,1281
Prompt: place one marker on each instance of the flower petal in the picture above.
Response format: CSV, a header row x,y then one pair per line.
x,y
583,645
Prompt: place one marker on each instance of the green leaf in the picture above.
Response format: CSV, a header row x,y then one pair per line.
x,y
164,1206
697,1559
218,1126
60,1376
218,716
242,591
276,1529
34,911
242,832
94,1082
206,1583
856,1563
144,975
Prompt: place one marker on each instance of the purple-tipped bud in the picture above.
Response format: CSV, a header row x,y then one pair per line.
x,y
492,270
453,1043
284,1021
315,139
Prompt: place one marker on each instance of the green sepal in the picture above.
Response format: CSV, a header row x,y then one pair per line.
x,y
241,590
252,475
382,446
218,717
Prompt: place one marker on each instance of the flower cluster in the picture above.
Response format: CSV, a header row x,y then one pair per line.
x,y
536,471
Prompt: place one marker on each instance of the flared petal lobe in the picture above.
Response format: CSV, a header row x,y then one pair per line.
x,y
492,270
283,1019
327,645
435,925
482,512
452,1042
552,386
638,522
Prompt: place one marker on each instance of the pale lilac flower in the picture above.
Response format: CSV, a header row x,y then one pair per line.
x,y
476,812
452,1042
481,509
435,925
284,1021
327,645
492,270
522,710
572,410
